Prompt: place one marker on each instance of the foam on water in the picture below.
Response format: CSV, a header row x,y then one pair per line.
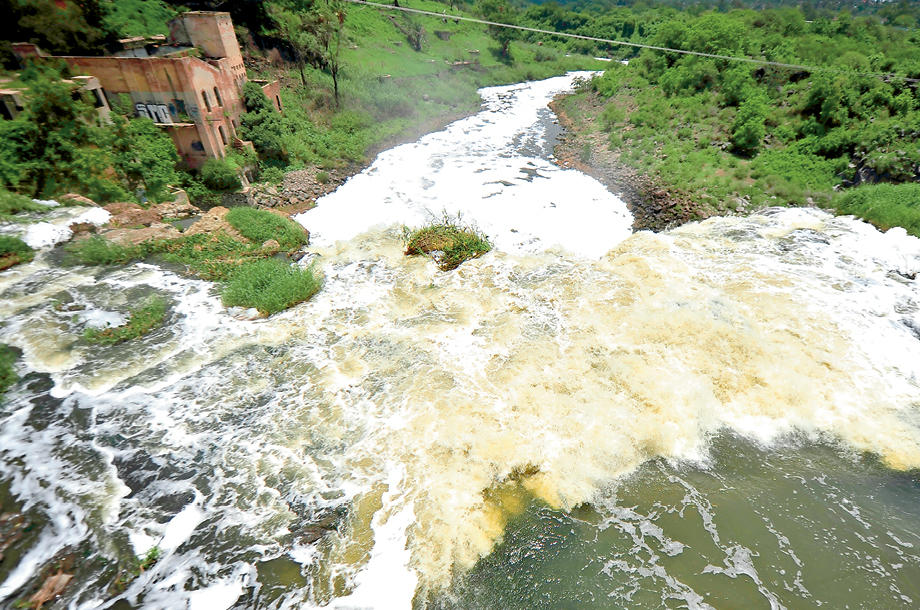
x,y
411,414
493,168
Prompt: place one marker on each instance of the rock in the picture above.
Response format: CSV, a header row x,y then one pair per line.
x,y
177,209
243,313
81,227
133,237
271,246
135,217
52,587
75,199
214,222
120,206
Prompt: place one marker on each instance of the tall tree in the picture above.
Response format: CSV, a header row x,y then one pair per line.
x,y
314,32
499,11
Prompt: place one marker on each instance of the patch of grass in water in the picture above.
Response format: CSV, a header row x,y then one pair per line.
x,y
270,285
13,203
97,250
448,241
8,375
14,251
141,321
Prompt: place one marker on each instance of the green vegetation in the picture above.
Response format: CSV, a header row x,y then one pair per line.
x,y
14,203
14,251
884,205
97,250
141,321
259,226
219,175
269,285
136,567
721,134
8,376
449,242
138,17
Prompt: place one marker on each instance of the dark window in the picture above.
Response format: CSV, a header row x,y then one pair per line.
x,y
217,97
198,146
223,134
278,101
207,102
5,112
100,101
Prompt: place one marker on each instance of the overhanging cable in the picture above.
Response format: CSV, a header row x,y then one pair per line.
x,y
762,62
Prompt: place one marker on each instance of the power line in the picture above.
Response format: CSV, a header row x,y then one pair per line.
x,y
762,62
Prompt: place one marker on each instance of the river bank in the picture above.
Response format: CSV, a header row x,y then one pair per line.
x,y
584,146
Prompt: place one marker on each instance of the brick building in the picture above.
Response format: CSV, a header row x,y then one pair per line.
x,y
190,84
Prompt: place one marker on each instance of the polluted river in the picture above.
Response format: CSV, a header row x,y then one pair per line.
x,y
723,415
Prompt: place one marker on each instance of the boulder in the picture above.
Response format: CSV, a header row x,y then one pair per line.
x,y
271,246
213,222
75,199
120,206
133,237
180,208
135,217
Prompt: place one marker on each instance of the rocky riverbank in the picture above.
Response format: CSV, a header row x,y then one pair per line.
x,y
583,146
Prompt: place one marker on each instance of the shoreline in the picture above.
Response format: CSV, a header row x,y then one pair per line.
x,y
583,147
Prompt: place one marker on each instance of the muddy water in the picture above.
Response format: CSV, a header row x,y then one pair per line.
x,y
725,415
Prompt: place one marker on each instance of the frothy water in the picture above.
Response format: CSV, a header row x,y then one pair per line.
x,y
579,418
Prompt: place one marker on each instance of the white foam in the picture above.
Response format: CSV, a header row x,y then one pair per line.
x,y
45,234
476,168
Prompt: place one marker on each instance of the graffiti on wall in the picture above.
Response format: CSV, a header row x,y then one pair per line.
x,y
158,112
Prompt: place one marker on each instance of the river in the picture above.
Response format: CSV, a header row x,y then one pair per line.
x,y
723,415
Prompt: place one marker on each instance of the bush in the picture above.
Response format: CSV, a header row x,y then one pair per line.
x,y
449,242
259,226
219,175
269,285
14,251
141,321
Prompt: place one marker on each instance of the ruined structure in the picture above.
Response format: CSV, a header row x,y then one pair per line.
x,y
190,84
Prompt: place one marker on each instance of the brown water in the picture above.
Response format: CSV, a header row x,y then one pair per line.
x,y
725,415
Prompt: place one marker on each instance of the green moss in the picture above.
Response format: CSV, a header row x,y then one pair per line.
x,y
449,242
259,226
14,251
97,250
269,285
141,321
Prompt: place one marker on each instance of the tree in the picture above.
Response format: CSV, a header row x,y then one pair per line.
x,y
749,128
314,32
145,156
262,124
498,11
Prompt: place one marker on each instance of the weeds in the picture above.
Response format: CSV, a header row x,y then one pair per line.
x,y
8,374
884,205
14,251
449,242
270,285
141,321
97,250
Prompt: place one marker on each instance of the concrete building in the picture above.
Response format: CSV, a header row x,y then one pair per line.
x,y
13,100
189,84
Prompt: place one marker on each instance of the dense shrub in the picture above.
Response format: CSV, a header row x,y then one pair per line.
x,y
219,175
260,225
269,285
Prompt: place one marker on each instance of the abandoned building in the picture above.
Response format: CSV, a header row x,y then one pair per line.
x,y
190,83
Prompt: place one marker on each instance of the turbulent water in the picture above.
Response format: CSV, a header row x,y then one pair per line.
x,y
725,415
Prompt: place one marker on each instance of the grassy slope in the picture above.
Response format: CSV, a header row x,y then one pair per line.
x,y
389,91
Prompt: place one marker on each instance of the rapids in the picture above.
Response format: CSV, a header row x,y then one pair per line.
x,y
722,415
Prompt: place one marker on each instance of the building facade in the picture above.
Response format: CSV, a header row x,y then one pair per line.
x,y
190,85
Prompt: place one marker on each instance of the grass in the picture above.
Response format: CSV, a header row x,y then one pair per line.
x,y
269,285
259,226
449,242
141,321
8,374
14,251
97,250
884,205
13,203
